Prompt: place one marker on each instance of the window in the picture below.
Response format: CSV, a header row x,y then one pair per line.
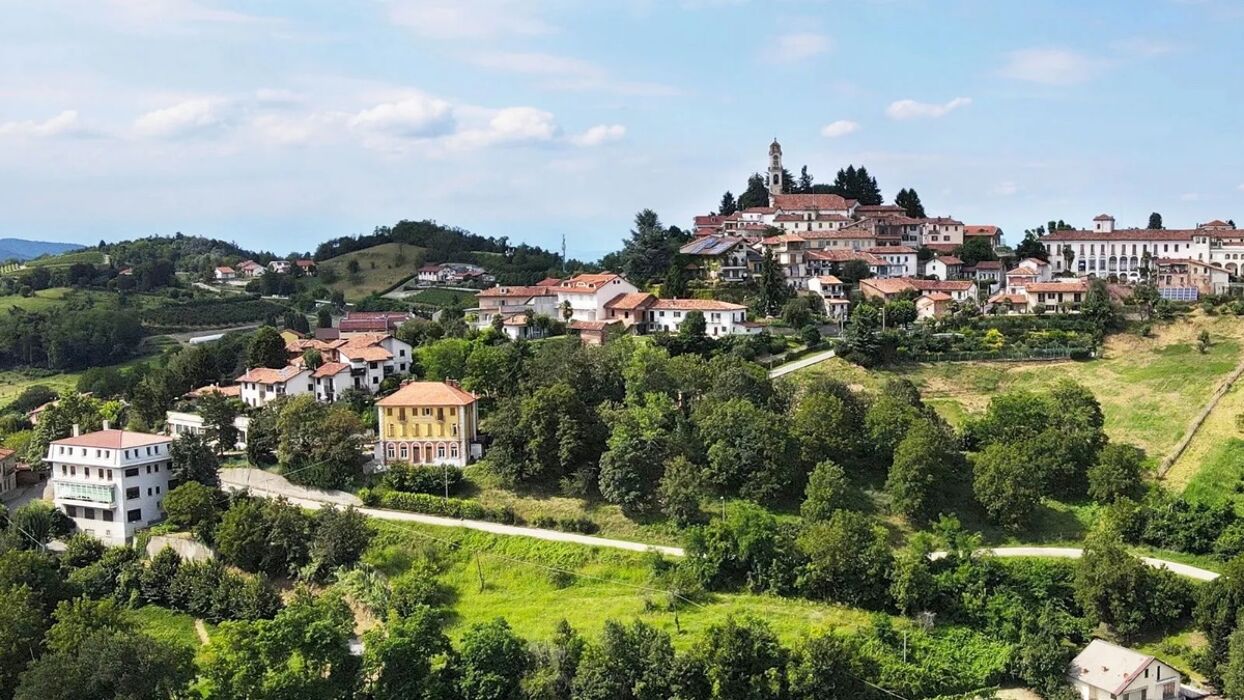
x,y
71,511
440,450
390,451
405,451
88,513
107,515
132,471
132,492
133,516
150,492
73,471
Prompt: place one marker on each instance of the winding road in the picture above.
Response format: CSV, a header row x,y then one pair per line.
x,y
800,363
269,485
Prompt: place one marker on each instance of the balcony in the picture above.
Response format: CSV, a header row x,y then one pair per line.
x,y
90,495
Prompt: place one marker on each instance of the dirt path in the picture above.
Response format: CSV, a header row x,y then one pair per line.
x,y
800,364
201,630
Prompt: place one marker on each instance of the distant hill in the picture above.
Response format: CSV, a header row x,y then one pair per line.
x,y
21,249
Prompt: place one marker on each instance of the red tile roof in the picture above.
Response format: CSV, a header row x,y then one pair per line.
x,y
942,285
936,296
630,302
368,353
891,250
843,255
330,369
267,375
113,439
592,325
989,265
980,230
788,202
695,305
428,394
586,283
948,260
519,292
1079,286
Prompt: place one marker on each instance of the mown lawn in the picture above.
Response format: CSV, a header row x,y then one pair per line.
x,y
1220,476
166,625
534,584
41,300
379,268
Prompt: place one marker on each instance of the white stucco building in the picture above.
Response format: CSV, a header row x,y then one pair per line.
x,y
1105,671
111,483
587,294
720,317
263,384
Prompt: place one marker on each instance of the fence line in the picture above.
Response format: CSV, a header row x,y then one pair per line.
x,y
1060,353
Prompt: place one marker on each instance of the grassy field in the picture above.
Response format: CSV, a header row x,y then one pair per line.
x,y
1149,388
41,300
521,583
166,625
92,257
378,269
14,381
439,296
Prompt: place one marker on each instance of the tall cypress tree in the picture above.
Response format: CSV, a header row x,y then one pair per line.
x,y
909,200
728,205
756,195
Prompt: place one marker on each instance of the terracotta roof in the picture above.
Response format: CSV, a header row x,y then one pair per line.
x,y
303,262
695,305
586,283
500,292
1125,234
630,302
234,390
943,221
1080,286
361,340
980,230
267,375
888,285
1103,217
549,282
783,238
891,250
851,233
989,265
879,208
936,296
829,279
713,220
113,439
428,394
843,255
224,268
760,210
948,260
591,325
1108,667
368,353
942,285
942,247
810,201
330,369
1015,299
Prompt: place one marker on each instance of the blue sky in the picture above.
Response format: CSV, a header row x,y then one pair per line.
x,y
278,124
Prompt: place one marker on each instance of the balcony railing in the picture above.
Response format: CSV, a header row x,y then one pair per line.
x,y
95,494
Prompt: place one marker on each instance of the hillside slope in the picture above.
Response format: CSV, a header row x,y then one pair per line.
x,y
22,249
380,268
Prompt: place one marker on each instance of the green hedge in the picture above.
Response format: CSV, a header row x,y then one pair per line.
x,y
436,505
422,478
214,313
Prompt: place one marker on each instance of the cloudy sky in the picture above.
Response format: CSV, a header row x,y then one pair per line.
x,y
279,123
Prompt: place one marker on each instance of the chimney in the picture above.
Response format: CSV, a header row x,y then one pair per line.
x,y
77,430
107,425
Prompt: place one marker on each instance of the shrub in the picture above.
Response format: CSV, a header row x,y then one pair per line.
x,y
422,478
436,505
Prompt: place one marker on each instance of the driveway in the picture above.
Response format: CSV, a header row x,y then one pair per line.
x,y
802,362
269,485
1189,571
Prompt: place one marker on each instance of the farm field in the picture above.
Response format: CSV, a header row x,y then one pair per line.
x,y
378,269
439,296
522,584
92,257
41,300
1149,388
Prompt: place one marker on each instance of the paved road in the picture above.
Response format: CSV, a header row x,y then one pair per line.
x,y
1075,553
268,485
800,363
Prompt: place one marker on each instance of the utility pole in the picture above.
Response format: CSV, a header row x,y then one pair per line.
x,y
563,253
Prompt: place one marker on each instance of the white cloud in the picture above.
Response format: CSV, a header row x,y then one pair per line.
x,y
599,134
415,117
1190,197
511,125
842,127
799,46
1005,189
1143,46
161,14
566,73
911,109
468,19
1050,66
182,119
66,123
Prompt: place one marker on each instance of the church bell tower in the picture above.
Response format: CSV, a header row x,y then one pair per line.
x,y
775,169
